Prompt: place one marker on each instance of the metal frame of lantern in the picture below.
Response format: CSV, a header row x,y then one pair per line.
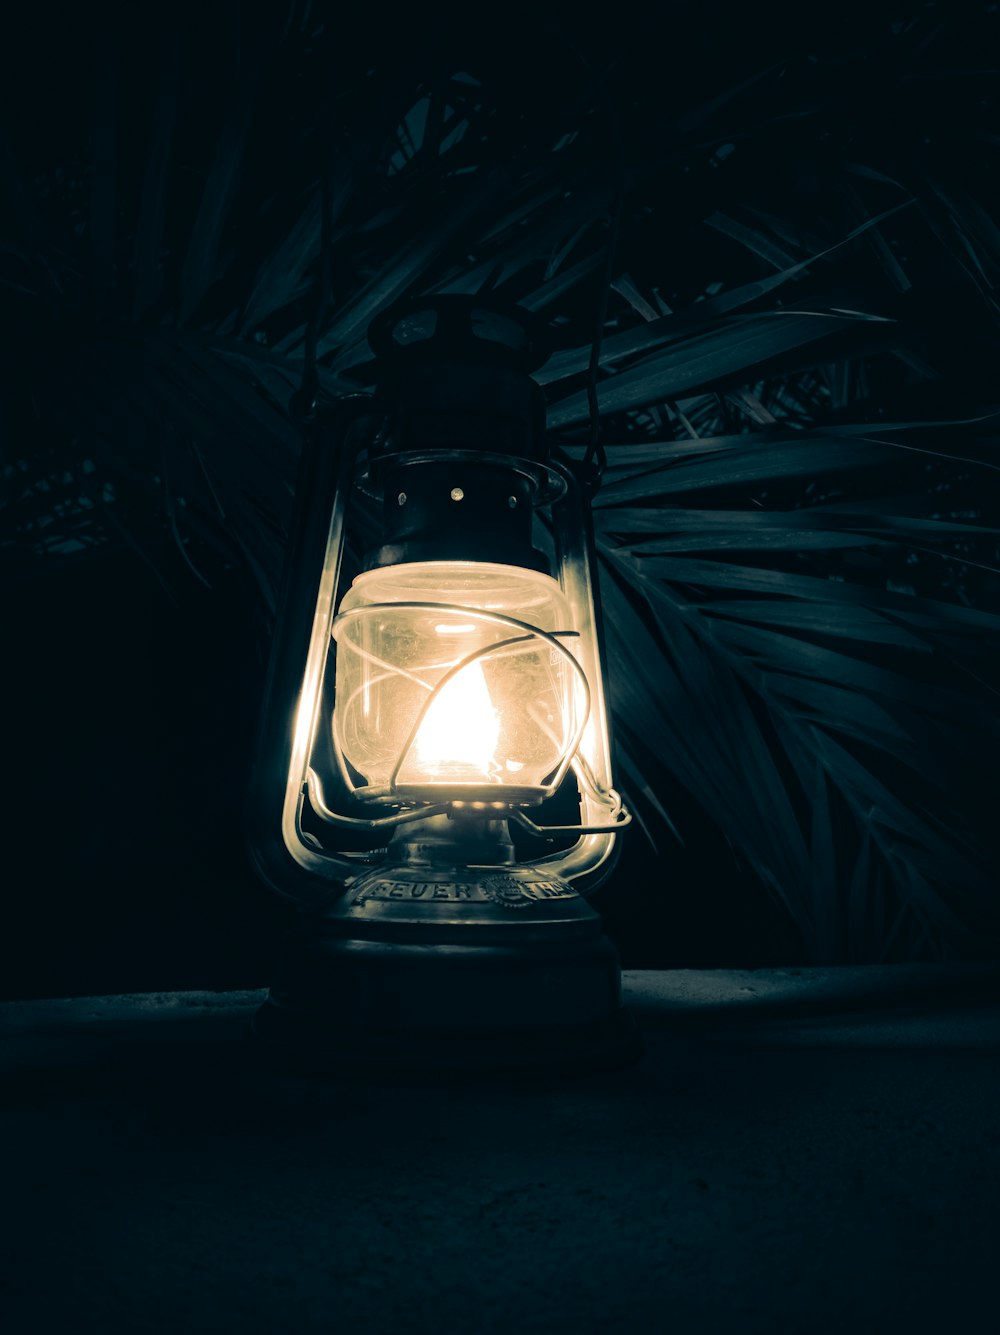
x,y
444,950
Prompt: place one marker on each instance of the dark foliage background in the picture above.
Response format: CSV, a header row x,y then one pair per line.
x,y
784,225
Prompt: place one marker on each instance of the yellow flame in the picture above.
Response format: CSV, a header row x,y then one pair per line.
x,y
461,729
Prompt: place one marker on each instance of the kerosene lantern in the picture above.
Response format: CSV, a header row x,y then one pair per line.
x,y
422,725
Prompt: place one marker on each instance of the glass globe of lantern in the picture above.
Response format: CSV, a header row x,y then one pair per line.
x,y
454,680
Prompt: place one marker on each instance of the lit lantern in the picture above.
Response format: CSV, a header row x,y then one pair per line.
x,y
413,721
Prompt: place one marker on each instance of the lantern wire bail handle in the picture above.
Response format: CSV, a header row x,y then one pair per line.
x,y
304,403
594,462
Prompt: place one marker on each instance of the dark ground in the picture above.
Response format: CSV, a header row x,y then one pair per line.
x,y
800,1151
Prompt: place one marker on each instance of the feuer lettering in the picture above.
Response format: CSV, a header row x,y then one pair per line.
x,y
545,890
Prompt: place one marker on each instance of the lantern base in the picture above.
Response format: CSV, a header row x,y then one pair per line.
x,y
428,974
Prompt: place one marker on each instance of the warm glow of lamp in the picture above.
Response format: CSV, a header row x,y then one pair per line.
x,y
429,697
458,736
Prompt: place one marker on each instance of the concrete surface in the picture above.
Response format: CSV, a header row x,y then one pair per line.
x,y
800,1150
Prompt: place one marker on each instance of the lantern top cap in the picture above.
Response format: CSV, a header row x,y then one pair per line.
x,y
460,329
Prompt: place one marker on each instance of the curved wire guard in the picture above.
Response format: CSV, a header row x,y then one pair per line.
x,y
318,802
588,781
620,818
553,639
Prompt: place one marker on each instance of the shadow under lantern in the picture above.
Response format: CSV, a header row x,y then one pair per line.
x,y
423,729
